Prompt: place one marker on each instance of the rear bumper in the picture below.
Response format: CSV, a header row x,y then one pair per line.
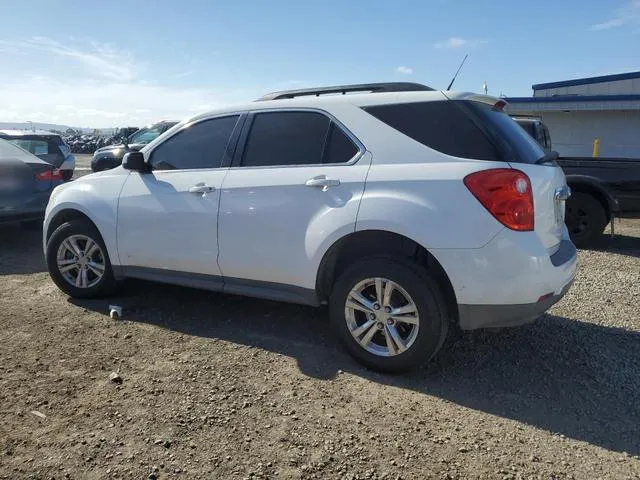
x,y
473,317
501,284
24,209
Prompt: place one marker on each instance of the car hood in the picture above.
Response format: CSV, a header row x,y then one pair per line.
x,y
115,149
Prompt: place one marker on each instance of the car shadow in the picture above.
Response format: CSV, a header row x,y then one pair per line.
x,y
20,251
562,375
620,245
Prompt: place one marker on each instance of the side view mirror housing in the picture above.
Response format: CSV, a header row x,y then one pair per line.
x,y
135,161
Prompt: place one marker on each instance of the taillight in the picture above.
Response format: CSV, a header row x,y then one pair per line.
x,y
506,193
49,175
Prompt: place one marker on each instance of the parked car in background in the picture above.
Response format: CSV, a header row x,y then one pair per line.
x,y
602,188
26,182
110,156
47,146
407,210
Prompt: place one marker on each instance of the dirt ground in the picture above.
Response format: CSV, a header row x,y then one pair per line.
x,y
228,387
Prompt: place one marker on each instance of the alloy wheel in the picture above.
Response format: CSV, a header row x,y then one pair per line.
x,y
382,317
81,261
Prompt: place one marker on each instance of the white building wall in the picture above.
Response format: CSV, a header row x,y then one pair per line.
x,y
572,133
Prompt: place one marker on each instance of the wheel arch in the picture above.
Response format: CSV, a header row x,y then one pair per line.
x,y
365,243
594,188
67,212
63,216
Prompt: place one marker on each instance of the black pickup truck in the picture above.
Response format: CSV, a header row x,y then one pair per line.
x,y
602,188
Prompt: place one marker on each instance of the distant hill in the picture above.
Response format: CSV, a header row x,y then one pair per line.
x,y
40,126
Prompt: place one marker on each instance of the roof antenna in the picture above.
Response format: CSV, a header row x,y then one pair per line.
x,y
457,71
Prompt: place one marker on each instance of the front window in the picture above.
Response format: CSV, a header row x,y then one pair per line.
x,y
146,135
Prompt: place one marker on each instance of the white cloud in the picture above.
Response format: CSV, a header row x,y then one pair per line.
x,y
98,60
100,87
107,104
405,70
623,16
184,74
457,42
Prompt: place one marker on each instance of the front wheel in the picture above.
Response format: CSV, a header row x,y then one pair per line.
x,y
389,314
78,261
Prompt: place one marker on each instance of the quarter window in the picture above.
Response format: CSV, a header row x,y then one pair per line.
x,y
442,126
339,148
296,138
202,145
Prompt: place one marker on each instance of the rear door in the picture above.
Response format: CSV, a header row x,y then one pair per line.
x,y
298,181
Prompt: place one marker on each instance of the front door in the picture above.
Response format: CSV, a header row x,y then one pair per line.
x,y
168,218
297,185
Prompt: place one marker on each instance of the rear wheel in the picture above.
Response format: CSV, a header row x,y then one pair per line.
x,y
586,219
78,262
389,314
67,175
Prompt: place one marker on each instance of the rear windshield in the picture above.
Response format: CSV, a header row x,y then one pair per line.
x,y
47,148
37,147
517,145
462,129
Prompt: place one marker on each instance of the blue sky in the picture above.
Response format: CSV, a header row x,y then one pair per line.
x,y
108,63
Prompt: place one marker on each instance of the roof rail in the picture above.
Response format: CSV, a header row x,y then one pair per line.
x,y
344,89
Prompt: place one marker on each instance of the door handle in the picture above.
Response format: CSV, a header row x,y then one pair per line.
x,y
323,182
201,188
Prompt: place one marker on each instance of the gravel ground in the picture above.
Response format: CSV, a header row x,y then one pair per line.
x,y
212,386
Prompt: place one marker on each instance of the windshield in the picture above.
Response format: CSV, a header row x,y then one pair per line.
x,y
519,146
145,135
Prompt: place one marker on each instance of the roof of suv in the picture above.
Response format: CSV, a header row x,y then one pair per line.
x,y
357,99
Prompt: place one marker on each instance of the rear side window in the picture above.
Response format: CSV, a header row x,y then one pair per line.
x,y
442,126
201,145
286,138
296,138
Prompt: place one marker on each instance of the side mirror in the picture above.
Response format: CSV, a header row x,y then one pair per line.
x,y
135,161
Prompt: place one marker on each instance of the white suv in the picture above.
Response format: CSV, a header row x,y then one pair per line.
x,y
406,210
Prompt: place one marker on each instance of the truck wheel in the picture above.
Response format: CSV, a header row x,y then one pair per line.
x,y
389,314
586,219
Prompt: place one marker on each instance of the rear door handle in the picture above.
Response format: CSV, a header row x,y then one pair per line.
x,y
323,182
201,188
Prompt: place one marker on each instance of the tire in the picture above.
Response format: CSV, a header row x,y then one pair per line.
x,y
75,232
67,175
422,341
586,219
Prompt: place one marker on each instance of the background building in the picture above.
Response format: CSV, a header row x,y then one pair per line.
x,y
579,111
